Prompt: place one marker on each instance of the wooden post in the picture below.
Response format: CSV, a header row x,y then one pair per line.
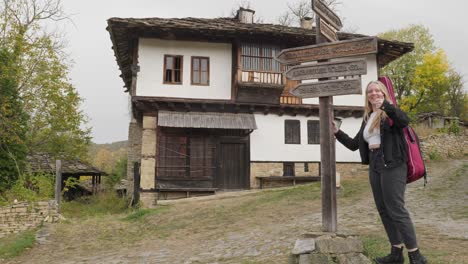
x,y
58,183
327,154
136,183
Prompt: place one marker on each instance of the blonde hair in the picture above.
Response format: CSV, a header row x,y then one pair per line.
x,y
368,107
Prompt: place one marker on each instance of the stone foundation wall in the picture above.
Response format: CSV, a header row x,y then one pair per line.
x,y
22,216
148,153
444,146
148,199
259,169
133,151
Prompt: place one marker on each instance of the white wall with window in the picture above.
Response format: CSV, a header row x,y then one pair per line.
x,y
267,143
184,69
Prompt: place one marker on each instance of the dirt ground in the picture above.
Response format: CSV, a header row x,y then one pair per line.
x,y
261,227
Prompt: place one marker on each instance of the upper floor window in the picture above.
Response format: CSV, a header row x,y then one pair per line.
x,y
313,131
259,57
292,132
201,70
173,69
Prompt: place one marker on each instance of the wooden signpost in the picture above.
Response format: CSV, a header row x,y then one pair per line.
x,y
327,23
324,12
327,70
325,51
328,31
328,88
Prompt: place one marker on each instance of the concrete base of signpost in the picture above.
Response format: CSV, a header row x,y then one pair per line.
x,y
328,247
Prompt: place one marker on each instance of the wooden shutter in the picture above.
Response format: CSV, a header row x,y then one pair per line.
x,y
292,132
313,132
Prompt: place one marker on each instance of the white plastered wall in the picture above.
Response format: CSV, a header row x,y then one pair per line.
x,y
268,140
151,62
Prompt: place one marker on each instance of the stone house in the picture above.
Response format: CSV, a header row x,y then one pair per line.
x,y
211,108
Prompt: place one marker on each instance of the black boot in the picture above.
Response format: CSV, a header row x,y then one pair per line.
x,y
415,257
395,257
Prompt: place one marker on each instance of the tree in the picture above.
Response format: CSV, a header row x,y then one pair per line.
x,y
457,96
13,125
104,160
302,9
430,85
402,70
48,97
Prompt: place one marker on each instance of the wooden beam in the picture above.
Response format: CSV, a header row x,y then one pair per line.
x,y
187,107
171,106
281,111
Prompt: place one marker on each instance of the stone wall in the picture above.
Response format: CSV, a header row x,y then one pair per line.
x,y
133,151
148,153
22,216
261,169
444,146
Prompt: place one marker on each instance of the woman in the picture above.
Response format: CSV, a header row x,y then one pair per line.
x,y
381,145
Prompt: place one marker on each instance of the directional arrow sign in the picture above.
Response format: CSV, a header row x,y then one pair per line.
x,y
327,14
328,69
327,51
328,31
328,88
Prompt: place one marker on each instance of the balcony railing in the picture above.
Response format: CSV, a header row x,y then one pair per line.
x,y
261,77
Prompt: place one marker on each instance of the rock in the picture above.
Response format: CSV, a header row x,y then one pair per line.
x,y
339,245
318,258
303,246
319,234
304,259
353,259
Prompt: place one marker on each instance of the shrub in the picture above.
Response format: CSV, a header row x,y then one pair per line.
x,y
434,154
104,203
31,187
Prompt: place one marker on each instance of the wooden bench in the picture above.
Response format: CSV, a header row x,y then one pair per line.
x,y
293,179
187,191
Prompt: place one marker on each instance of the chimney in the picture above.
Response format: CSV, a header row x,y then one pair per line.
x,y
245,15
306,22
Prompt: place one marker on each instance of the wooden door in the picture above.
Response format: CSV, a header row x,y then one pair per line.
x,y
233,169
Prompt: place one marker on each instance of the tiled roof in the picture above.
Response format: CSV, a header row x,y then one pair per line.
x,y
42,162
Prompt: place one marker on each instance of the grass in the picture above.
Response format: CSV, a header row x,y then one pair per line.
x,y
375,246
103,222
98,205
141,214
13,245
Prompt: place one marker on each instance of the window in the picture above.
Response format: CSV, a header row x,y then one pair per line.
x,y
185,156
288,169
173,69
201,70
259,57
292,132
313,132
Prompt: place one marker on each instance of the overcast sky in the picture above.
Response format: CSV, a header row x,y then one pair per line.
x,y
95,72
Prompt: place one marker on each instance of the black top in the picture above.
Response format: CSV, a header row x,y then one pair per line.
x,y
392,140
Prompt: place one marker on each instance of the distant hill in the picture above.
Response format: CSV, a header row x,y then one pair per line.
x,y
105,156
114,146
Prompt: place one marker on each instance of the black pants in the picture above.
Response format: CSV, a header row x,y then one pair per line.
x,y
388,187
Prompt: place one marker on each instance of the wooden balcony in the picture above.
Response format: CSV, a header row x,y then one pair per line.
x,y
259,87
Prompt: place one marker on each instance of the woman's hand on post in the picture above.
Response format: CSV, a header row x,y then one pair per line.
x,y
334,127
